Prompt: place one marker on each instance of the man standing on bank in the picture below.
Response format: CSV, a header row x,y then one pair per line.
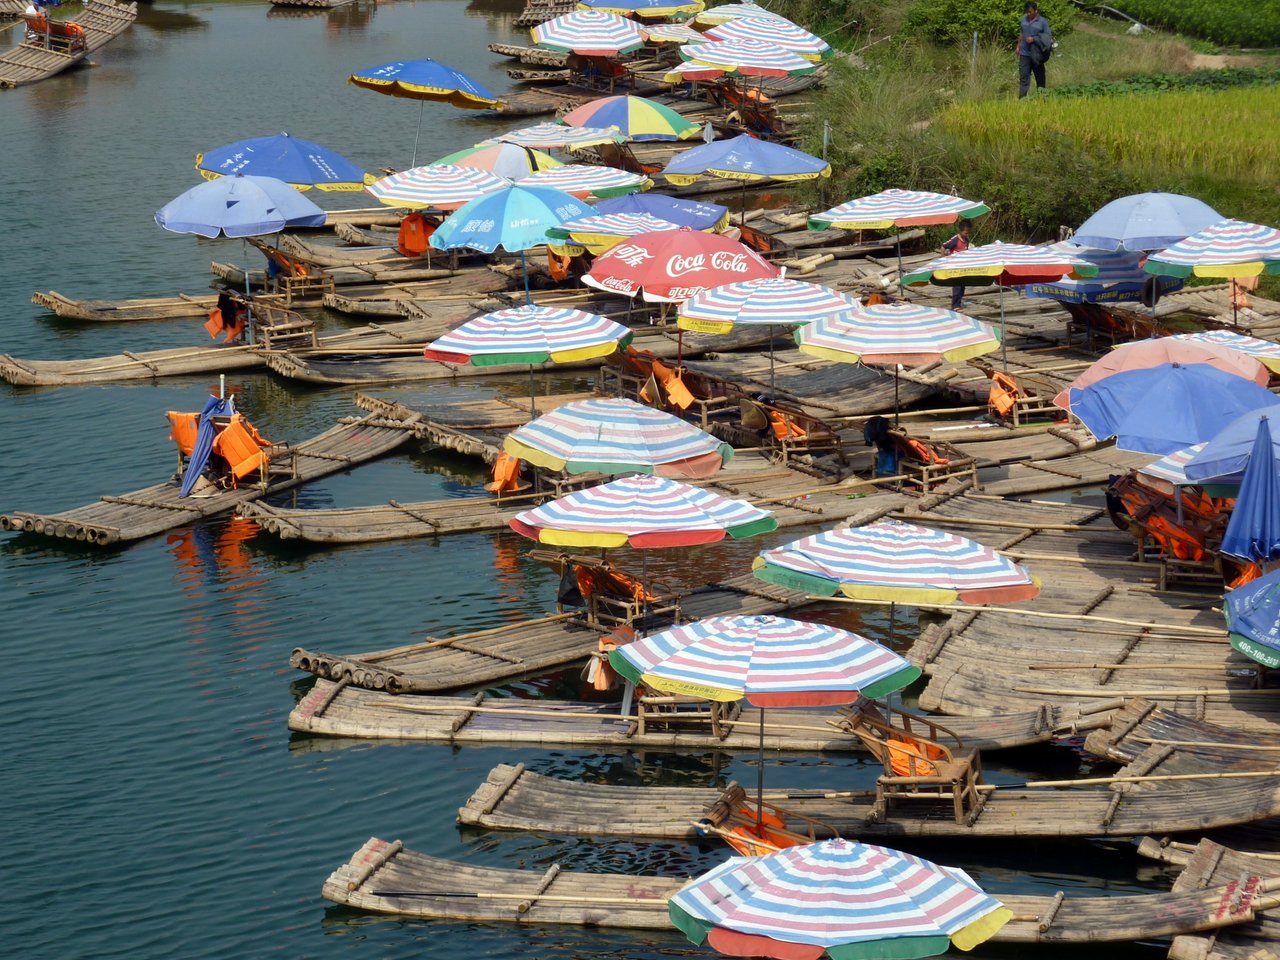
x,y
1035,44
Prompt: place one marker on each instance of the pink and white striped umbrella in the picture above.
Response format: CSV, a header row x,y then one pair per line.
x,y
549,136
440,185
672,33
768,300
1232,248
584,180
733,11
750,58
590,33
1007,264
1267,352
896,333
897,208
599,232
775,30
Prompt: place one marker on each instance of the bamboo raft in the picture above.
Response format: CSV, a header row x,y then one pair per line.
x,y
1142,724
1209,867
514,798
118,311
319,4
519,649
384,877
31,61
157,508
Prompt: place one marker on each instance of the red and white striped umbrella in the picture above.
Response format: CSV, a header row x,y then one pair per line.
x,y
673,265
750,58
732,11
590,33
440,185
1232,248
773,30
584,180
768,300
1007,264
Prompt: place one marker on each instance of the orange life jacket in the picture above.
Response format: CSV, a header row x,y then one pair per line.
x,y
784,427
213,326
558,266
922,452
909,757
240,445
1004,393
415,235
677,393
506,474
610,582
183,428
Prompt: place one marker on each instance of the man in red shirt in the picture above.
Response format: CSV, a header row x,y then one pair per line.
x,y
958,244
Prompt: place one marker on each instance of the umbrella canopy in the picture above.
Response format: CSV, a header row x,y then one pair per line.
x,y
636,118
1143,354
775,30
768,661
1224,457
425,80
439,185
643,8
745,158
1266,351
299,163
750,58
695,214
897,562
549,136
672,33
508,160
1120,278
849,900
896,333
514,218
768,300
643,511
529,334
205,434
1163,409
583,180
1170,470
1145,221
1229,248
1253,618
732,11
1006,264
616,436
898,208
599,232
673,265
239,206
589,33
1253,532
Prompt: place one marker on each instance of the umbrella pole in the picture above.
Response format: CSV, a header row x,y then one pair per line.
x,y
421,104
742,212
1177,497
760,780
771,382
533,395
1004,351
248,294
902,287
524,267
895,394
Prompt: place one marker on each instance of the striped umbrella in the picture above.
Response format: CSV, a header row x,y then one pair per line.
x,y
582,180
1267,352
775,30
439,185
692,71
614,436
643,512
589,33
898,208
602,231
898,562
1171,471
673,265
749,58
672,33
732,11
1120,279
849,900
636,118
1232,248
549,136
529,334
508,160
643,8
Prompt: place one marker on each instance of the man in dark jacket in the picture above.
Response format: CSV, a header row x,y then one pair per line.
x,y
1035,41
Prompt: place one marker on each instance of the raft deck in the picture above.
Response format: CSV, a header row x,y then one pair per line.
x,y
1212,866
31,61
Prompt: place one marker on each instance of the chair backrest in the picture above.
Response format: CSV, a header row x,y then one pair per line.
x,y
902,752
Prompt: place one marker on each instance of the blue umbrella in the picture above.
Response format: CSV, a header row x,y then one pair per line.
x,y
239,206
1165,408
299,163
213,407
1253,532
1145,221
1120,279
1224,458
683,213
1253,617
516,218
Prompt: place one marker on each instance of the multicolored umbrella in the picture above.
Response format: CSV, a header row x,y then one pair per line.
x,y
589,33
439,185
614,436
745,158
732,11
845,899
1253,619
583,180
299,163
748,58
1143,354
1267,352
673,265
898,562
636,118
1229,248
692,71
643,512
695,214
768,300
775,30
1145,221
898,208
1120,279
597,233
508,160
549,136
643,8
1170,470
672,33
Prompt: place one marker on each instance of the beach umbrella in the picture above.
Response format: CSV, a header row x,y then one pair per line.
x,y
673,265
1224,457
1144,354
692,71
439,185
775,30
889,334
599,232
1227,249
1267,352
1004,264
837,898
549,136
732,11
636,118
514,218
583,180
1120,279
614,436
1253,532
589,33
1169,472
695,214
643,8
748,58
509,160
672,33
1252,612
532,335
299,163
1163,409
424,80
1144,222
206,432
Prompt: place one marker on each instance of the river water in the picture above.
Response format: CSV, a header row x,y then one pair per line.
x,y
155,804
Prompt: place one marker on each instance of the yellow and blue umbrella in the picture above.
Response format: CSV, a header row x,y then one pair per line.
x,y
636,118
299,163
745,158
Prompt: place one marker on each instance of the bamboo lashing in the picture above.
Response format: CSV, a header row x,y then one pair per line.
x,y
550,898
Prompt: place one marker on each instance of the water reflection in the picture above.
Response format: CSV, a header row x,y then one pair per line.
x,y
168,19
219,580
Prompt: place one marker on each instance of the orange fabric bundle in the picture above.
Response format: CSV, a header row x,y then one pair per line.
x,y
415,235
506,474
183,428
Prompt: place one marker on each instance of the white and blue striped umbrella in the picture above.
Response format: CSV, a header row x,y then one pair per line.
x,y
590,33
1232,248
529,334
896,333
439,185
549,136
854,900
1171,471
613,436
775,30
732,11
898,208
643,8
602,231
588,180
750,58
768,300
1266,352
769,661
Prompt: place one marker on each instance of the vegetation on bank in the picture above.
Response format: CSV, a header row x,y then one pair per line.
x,y
1236,23
1221,79
956,21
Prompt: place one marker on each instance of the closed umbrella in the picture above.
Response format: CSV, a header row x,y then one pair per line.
x,y
1253,532
1253,619
206,432
299,163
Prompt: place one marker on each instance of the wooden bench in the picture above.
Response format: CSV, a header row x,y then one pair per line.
x,y
276,328
674,710
630,374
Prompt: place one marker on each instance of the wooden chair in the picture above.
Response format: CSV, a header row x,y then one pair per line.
x,y
296,277
734,817
611,597
1015,401
277,328
927,463
917,766
640,376
672,710
788,430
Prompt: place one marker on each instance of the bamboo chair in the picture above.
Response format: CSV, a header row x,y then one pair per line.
x,y
789,431
1016,400
615,598
296,277
674,710
927,463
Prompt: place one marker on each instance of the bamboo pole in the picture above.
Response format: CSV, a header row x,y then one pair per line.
x,y
550,898
1204,743
1176,665
431,644
1012,524
1154,692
